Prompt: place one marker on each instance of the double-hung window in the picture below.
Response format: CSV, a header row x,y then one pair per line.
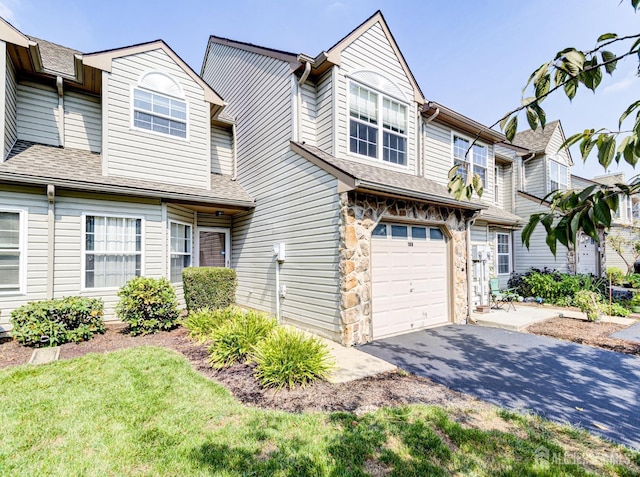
x,y
112,249
181,249
557,176
503,253
475,161
11,251
159,113
377,125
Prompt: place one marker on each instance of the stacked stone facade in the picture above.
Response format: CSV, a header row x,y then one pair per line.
x,y
359,215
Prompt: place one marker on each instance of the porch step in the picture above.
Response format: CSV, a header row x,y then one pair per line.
x,y
45,355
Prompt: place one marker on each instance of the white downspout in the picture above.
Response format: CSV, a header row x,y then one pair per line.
x,y
303,78
234,153
277,290
51,217
59,86
425,122
470,319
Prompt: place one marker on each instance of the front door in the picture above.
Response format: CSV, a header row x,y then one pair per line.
x,y
587,255
213,247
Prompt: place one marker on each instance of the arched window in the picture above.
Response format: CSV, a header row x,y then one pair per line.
x,y
159,105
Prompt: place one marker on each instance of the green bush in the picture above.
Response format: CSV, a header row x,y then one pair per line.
x,y
210,287
54,322
203,321
589,302
555,287
634,279
617,275
147,305
616,309
234,339
289,357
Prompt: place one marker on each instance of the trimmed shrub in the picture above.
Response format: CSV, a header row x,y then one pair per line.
x,y
233,341
210,287
54,322
617,275
147,305
288,357
616,309
202,322
589,302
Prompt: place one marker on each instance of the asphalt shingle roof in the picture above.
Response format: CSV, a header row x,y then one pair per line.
x,y
497,215
536,140
56,57
30,162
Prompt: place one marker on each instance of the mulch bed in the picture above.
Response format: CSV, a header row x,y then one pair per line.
x,y
585,332
386,389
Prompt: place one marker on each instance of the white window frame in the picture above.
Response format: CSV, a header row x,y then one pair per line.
x,y
561,185
23,217
170,253
498,253
379,126
470,157
132,108
227,243
83,247
496,186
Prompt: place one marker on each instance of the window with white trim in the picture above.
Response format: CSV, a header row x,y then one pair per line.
x,y
159,113
368,110
475,161
557,176
112,250
503,253
181,255
11,251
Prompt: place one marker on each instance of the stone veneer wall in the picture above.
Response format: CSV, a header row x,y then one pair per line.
x,y
359,214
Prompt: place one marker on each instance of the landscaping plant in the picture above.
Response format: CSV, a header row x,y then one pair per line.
x,y
589,302
202,322
234,339
147,305
54,322
288,357
209,287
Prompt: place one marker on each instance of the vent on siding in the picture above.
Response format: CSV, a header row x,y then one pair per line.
x,y
162,83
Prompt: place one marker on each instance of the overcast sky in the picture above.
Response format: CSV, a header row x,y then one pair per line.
x,y
473,56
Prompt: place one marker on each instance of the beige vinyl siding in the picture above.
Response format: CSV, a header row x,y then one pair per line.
x,y
34,203
372,51
297,203
538,255
37,114
11,125
82,122
324,113
142,154
185,216
536,176
211,220
69,236
308,111
438,155
505,187
221,151
612,259
581,182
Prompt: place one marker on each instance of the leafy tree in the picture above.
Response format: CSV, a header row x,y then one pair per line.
x,y
574,210
625,247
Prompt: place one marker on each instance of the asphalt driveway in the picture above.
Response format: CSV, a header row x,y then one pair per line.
x,y
565,382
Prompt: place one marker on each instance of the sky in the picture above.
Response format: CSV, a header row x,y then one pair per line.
x,y
472,56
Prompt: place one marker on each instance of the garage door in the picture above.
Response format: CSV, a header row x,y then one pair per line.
x,y
410,280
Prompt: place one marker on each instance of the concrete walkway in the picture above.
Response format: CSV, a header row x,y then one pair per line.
x,y
566,382
352,364
45,355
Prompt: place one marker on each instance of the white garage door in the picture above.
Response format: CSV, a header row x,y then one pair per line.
x,y
410,280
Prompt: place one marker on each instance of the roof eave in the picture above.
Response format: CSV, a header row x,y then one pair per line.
x,y
455,119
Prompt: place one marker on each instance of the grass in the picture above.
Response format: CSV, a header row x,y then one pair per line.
x,y
145,411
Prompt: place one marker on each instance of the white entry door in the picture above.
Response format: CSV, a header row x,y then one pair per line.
x,y
410,278
587,256
213,247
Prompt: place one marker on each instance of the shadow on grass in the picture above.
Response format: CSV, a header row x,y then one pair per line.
x,y
392,442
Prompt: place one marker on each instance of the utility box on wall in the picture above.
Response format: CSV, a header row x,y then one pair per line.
x,y
481,253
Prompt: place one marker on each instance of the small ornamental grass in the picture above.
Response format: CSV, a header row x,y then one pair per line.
x,y
234,339
288,357
202,322
147,305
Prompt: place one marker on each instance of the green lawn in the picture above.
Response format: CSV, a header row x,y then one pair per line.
x,y
144,411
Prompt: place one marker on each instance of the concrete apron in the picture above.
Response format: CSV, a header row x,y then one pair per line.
x,y
45,355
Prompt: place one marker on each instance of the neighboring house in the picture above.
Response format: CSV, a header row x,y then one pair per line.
x,y
115,164
349,163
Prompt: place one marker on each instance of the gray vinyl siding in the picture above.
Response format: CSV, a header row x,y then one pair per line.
x,y
37,114
142,154
612,259
211,220
297,203
82,122
581,182
438,155
188,216
308,113
373,52
538,255
536,176
324,112
221,151
505,187
35,206
11,125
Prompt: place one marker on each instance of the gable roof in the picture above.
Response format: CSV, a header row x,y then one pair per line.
x,y
369,178
102,60
538,140
56,58
37,164
333,53
11,34
281,55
